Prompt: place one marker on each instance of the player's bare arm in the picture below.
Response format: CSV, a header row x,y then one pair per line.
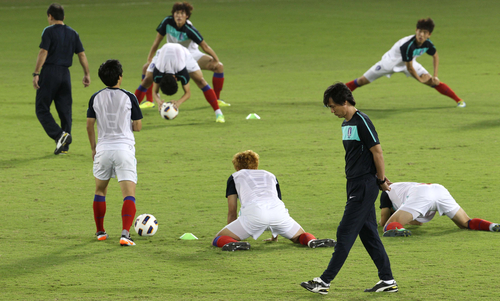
x,y
85,65
186,96
378,159
40,60
385,214
156,95
91,135
232,208
152,51
136,125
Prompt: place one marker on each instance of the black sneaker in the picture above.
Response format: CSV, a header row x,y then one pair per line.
x,y
233,246
316,286
64,140
397,232
321,243
495,228
381,286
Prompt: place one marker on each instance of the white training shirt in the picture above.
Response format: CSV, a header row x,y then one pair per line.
x,y
399,193
256,187
171,58
114,109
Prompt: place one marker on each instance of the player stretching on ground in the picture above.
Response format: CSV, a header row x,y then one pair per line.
x,y
417,203
261,208
179,29
117,114
173,63
402,58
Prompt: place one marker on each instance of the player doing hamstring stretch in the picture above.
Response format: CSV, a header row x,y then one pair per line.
x,y
365,174
179,29
117,114
417,203
261,208
402,58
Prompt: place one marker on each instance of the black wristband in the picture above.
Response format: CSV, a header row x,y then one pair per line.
x,y
35,74
380,182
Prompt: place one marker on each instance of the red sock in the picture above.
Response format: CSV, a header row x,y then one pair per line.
x,y
128,212
140,95
220,241
479,224
393,226
149,94
351,85
445,90
218,82
211,97
305,238
99,211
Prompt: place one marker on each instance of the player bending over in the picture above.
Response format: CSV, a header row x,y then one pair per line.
x,y
261,208
402,58
417,203
179,29
114,153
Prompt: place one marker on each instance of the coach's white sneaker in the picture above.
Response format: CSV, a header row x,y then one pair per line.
x,y
64,140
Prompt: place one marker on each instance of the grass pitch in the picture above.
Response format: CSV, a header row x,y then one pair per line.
x,y
279,56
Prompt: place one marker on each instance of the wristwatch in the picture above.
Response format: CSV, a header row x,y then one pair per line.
x,y
380,182
35,74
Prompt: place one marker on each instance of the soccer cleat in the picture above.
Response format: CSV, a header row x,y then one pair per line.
x,y
220,118
461,104
233,246
397,232
222,103
126,241
319,243
495,228
382,286
316,286
64,140
146,105
101,235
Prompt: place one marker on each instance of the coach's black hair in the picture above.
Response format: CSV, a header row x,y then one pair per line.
x,y
110,72
168,84
339,93
56,11
426,24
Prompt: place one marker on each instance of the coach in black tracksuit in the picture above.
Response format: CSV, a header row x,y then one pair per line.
x,y
59,43
365,173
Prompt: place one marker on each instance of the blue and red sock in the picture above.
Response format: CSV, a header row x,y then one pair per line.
x,y
218,82
128,212
305,238
220,241
210,97
393,226
352,85
99,207
479,224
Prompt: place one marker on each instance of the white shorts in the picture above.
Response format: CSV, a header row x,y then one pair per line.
x,y
116,163
196,53
387,68
191,63
424,200
255,220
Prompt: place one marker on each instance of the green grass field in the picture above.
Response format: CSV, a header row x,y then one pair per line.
x,y
279,56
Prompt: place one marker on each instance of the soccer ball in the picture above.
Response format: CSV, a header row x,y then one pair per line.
x,y
168,111
146,225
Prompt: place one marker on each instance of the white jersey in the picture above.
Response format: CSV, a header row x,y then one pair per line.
x,y
172,58
256,187
399,193
114,109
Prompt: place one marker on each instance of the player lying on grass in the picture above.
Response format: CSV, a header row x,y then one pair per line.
x,y
114,153
173,63
402,58
417,203
179,29
261,208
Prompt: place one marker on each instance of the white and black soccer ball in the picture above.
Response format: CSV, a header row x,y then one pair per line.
x,y
168,111
146,225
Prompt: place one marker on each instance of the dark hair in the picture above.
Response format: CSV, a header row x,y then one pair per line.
x,y
426,24
339,93
184,6
168,84
110,72
56,11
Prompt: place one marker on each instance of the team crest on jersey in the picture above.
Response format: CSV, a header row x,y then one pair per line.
x,y
378,67
349,132
419,52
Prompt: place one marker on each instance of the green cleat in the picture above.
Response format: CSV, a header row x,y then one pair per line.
x,y
220,118
222,103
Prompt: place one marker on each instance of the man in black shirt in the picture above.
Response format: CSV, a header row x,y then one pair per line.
x,y
365,173
59,43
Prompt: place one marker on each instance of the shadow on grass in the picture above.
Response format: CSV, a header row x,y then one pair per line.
x,y
11,163
481,125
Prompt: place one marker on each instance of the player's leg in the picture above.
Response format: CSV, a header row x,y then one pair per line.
x,y
481,224
287,227
358,82
209,94
395,225
206,62
63,102
229,238
144,87
376,71
99,207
